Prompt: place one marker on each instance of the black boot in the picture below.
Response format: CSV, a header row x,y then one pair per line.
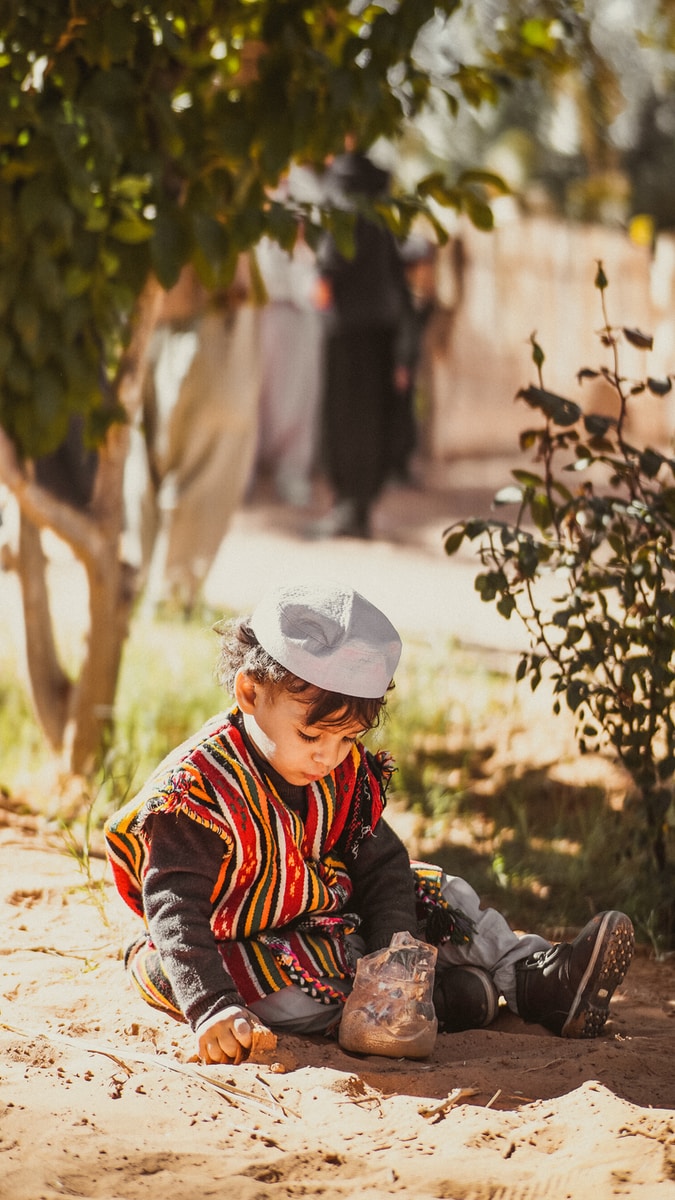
x,y
464,998
568,987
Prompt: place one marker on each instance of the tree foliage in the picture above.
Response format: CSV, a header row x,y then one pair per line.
x,y
596,521
135,137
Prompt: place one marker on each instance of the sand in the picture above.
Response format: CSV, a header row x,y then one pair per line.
x,y
99,1098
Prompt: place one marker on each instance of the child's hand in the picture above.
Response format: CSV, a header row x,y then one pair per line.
x,y
226,1039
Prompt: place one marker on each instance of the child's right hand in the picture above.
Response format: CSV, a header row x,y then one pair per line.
x,y
226,1039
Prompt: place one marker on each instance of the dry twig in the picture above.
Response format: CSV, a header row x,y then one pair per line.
x,y
453,1097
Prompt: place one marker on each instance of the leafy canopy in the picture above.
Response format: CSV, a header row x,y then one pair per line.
x,y
138,136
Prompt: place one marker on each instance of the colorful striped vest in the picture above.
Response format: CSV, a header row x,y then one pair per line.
x,y
279,900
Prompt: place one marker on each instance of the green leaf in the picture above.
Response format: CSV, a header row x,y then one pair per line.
x,y
282,225
490,584
559,410
540,507
528,438
77,281
575,694
651,462
436,187
574,634
479,213
505,605
132,231
527,478
453,541
528,559
341,225
475,527
487,178
659,387
598,425
540,33
643,341
508,495
217,247
131,187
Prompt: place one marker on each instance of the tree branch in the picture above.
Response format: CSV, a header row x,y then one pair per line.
x,y
38,505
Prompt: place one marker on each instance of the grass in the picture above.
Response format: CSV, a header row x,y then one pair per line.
x,y
488,783
166,691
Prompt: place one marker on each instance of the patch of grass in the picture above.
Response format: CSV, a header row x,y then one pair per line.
x,y
166,692
24,749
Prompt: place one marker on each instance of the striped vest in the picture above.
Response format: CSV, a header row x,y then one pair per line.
x,y
283,884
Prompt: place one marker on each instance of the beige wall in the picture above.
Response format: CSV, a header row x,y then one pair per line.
x,y
537,275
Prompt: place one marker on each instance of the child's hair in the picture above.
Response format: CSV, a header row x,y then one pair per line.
x,y
240,650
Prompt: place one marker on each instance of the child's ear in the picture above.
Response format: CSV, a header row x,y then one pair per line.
x,y
244,691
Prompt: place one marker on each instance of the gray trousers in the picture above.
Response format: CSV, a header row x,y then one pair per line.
x,y
495,948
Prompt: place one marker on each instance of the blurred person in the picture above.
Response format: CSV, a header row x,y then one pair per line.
x,y
192,452
362,298
418,255
291,340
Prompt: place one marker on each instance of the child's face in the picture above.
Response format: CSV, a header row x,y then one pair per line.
x,y
276,722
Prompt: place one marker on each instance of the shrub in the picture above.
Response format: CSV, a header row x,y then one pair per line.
x,y
588,565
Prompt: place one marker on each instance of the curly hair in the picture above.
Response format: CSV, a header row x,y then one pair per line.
x,y
240,650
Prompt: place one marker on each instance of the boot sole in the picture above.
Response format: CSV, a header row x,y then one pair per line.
x,y
612,954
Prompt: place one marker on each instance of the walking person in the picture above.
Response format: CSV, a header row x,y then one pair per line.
x,y
362,297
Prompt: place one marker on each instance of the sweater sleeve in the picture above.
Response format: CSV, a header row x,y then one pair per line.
x,y
384,895
184,861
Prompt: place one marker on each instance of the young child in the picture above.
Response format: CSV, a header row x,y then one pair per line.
x,y
259,859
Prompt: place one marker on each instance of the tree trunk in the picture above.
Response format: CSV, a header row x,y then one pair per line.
x,y
50,686
76,716
91,709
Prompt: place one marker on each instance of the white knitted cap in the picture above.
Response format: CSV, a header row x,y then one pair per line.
x,y
330,636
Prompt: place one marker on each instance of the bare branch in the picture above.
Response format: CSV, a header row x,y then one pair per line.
x,y
38,505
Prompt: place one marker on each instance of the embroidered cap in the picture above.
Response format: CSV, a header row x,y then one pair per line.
x,y
330,636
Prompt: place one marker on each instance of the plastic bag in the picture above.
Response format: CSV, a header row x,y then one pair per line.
x,y
390,1010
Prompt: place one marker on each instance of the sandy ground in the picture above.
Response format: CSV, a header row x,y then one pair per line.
x,y
99,1098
